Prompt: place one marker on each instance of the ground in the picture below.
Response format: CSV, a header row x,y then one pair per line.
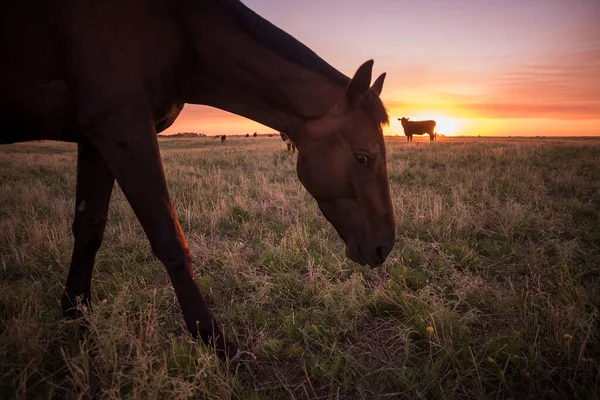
x,y
492,290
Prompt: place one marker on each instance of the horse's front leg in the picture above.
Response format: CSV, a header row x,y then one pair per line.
x,y
127,141
94,187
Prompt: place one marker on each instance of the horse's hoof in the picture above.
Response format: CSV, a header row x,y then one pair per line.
x,y
75,307
233,364
231,357
239,360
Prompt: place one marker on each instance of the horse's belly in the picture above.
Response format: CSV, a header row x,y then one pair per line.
x,y
36,112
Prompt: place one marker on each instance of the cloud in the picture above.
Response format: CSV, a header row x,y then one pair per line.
x,y
546,111
563,78
562,85
565,85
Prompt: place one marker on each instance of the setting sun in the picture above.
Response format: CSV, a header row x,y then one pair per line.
x,y
443,125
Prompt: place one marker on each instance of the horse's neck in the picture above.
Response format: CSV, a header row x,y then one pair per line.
x,y
250,71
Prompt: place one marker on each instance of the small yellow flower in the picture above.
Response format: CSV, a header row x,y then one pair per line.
x,y
410,260
568,337
491,360
430,329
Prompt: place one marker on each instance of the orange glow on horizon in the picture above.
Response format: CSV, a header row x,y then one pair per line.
x,y
211,121
450,121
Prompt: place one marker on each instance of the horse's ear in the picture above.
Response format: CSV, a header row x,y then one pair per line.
x,y
378,84
360,83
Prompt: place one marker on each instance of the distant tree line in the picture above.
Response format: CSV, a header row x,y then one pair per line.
x,y
185,135
188,135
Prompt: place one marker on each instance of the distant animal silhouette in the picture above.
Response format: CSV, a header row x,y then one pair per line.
x,y
223,138
289,142
109,75
254,134
418,128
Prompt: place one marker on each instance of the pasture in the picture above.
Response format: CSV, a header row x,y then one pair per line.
x,y
492,289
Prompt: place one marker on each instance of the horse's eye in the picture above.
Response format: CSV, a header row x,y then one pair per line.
x,y
362,160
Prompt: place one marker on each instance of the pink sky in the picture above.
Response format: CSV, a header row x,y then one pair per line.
x,y
479,67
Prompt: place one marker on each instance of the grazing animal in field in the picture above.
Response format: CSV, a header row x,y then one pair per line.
x,y
110,74
290,144
223,138
418,128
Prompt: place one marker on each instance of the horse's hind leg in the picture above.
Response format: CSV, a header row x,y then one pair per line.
x,y
94,187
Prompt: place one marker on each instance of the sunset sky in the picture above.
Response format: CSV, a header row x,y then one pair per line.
x,y
479,67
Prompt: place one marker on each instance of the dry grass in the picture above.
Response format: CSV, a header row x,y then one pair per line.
x,y
492,290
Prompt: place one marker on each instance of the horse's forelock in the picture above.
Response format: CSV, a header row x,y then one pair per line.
x,y
375,108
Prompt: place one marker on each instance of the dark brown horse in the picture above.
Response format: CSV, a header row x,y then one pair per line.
x,y
291,146
223,138
110,74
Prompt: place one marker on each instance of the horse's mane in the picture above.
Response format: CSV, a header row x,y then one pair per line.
x,y
278,41
288,47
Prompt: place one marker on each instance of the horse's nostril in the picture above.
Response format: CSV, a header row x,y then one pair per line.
x,y
382,253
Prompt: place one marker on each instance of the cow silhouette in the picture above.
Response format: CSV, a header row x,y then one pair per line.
x,y
418,128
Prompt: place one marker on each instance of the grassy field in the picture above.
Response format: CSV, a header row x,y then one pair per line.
x,y
492,290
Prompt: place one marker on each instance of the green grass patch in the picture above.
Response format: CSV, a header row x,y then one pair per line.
x,y
492,290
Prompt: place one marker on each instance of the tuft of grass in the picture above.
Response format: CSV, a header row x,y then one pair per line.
x,y
492,290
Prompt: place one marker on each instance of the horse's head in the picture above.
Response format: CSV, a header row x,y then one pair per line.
x,y
342,164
